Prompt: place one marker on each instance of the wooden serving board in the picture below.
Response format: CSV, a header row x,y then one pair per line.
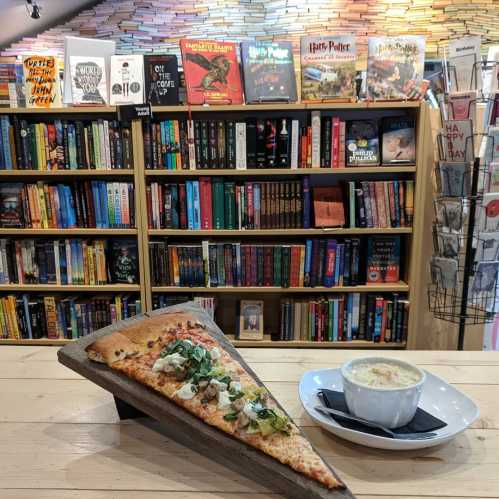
x,y
187,429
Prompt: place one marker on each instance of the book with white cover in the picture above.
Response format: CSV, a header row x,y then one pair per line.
x,y
127,79
88,80
464,54
86,47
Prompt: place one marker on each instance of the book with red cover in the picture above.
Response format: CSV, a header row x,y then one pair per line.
x,y
211,72
206,203
268,265
295,267
328,207
182,203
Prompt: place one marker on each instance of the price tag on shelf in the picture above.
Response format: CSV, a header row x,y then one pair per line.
x,y
131,112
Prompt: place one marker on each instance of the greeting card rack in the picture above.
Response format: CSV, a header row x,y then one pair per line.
x,y
465,263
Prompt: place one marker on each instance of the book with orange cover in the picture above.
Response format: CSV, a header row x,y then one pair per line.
x,y
328,207
211,72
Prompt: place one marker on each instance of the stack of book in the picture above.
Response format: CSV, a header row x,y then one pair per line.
x,y
54,317
319,262
64,145
217,204
353,316
207,303
96,204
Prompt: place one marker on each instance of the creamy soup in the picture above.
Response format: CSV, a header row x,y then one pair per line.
x,y
383,375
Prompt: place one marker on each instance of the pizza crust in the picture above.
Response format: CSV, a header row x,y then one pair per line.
x,y
133,351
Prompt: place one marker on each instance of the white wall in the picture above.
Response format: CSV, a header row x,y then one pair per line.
x,y
15,22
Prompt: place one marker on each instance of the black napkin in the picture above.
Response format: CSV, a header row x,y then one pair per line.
x,y
421,422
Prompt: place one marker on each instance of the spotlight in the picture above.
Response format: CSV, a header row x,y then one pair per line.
x,y
33,9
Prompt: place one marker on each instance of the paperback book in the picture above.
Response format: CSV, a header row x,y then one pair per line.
x,y
398,141
11,208
124,264
327,67
127,79
269,73
161,79
88,80
211,72
42,84
395,67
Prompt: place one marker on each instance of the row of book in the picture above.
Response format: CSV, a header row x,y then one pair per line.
x,y
55,317
207,303
68,262
327,142
318,262
352,316
97,204
213,73
212,203
64,145
381,204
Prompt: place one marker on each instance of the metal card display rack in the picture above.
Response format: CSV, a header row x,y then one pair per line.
x,y
465,264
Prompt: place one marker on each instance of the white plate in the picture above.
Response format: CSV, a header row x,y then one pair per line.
x,y
439,399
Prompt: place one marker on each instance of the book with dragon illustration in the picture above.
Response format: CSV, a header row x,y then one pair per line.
x,y
211,72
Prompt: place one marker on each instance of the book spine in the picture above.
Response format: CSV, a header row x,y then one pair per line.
x,y
240,146
295,139
316,139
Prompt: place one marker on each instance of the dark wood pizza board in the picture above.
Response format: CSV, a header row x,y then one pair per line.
x,y
185,428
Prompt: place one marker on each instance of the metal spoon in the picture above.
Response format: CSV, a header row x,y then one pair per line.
x,y
399,436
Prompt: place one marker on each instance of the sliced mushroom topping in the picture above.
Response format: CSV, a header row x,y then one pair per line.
x,y
238,405
242,420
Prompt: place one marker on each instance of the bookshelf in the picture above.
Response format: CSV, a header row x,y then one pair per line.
x,y
412,237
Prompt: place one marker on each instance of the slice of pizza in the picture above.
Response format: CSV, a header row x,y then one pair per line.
x,y
176,355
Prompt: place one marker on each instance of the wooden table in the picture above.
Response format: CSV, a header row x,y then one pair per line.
x,y
60,436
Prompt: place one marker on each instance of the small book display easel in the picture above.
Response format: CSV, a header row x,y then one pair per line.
x,y
465,264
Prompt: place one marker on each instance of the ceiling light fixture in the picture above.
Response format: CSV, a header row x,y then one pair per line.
x,y
33,9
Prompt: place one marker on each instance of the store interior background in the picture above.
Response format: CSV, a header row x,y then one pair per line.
x,y
139,26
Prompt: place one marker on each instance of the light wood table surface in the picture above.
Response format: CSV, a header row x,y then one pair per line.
x,y
60,436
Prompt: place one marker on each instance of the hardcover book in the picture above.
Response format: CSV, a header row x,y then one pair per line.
x,y
383,259
328,207
88,80
11,208
398,141
395,67
127,79
269,73
211,72
464,54
327,67
362,143
42,84
161,79
86,47
124,261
